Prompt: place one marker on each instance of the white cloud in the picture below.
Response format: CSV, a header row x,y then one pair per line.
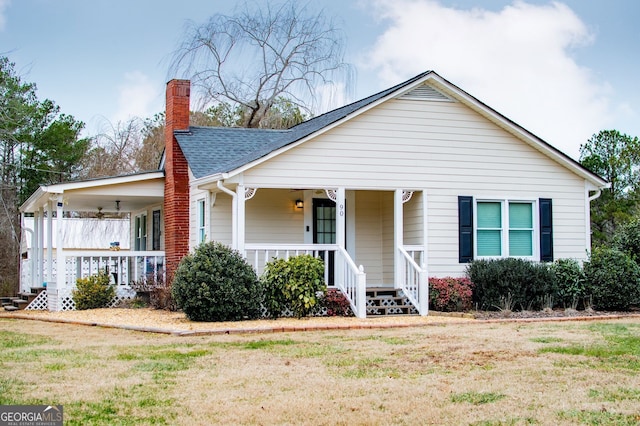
x,y
517,60
138,96
3,19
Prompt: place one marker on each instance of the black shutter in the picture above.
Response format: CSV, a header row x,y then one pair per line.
x,y
546,230
465,229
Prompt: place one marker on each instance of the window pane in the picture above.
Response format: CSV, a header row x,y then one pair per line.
x,y
489,243
521,243
489,215
520,215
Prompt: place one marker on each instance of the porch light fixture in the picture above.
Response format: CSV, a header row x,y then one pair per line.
x,y
299,204
100,215
118,205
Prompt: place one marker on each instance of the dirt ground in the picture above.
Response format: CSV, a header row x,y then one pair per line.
x,y
148,319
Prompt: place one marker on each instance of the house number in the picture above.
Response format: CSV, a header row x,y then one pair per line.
x,y
341,209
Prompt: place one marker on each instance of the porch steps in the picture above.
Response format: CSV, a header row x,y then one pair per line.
x,y
22,300
388,301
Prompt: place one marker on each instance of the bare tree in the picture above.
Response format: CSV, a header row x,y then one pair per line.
x,y
114,150
261,53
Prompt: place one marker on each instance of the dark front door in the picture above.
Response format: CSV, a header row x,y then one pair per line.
x,y
324,229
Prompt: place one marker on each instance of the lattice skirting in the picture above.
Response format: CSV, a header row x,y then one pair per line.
x,y
40,303
62,299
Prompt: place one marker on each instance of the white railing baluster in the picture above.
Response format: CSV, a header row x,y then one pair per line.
x,y
414,281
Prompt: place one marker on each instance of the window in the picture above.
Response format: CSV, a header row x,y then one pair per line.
x,y
202,234
156,228
505,228
140,229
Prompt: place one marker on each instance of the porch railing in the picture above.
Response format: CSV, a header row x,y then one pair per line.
x,y
259,254
122,266
414,281
352,281
339,268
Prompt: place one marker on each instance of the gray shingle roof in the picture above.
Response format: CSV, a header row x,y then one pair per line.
x,y
213,150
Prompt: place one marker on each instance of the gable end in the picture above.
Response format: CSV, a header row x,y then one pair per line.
x,y
425,92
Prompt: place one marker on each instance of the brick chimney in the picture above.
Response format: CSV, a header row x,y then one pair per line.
x,y
176,184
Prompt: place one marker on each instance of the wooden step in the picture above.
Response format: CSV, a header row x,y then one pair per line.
x,y
11,308
388,301
38,290
6,300
20,303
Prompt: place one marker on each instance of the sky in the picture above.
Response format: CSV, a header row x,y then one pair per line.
x,y
563,70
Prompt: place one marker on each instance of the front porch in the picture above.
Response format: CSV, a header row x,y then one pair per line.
x,y
366,238
55,263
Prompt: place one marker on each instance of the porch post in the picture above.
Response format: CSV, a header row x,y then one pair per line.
x,y
423,291
50,241
33,256
240,211
40,248
60,263
398,227
340,217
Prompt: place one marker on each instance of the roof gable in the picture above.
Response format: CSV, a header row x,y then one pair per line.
x,y
211,151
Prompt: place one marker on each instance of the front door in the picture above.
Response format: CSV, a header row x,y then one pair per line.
x,y
324,228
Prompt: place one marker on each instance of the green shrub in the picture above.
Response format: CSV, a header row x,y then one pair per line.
x,y
450,294
296,283
613,279
627,239
569,282
214,283
93,292
510,283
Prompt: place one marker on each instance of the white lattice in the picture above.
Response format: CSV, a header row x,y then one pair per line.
x,y
40,303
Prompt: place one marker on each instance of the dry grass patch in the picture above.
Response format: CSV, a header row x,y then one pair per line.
x,y
464,373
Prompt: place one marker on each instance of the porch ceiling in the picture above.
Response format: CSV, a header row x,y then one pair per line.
x,y
134,193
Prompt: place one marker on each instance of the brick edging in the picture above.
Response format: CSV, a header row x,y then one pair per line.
x,y
320,327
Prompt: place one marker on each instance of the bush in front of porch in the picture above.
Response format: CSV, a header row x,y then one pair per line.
x,y
214,283
296,283
94,291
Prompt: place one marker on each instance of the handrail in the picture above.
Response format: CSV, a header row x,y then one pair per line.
x,y
352,281
414,282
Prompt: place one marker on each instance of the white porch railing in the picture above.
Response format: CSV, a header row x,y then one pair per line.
x,y
413,280
259,254
123,267
346,275
352,282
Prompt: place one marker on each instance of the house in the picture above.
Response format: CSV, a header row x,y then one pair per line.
x,y
414,181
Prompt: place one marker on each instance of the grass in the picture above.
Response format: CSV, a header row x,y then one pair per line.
x,y
477,398
468,374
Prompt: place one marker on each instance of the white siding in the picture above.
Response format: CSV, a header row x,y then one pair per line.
x,y
220,219
272,217
444,148
369,235
194,196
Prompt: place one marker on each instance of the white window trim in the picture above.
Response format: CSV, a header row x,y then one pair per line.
x,y
504,202
201,211
137,230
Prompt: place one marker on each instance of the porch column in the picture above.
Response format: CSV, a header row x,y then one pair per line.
x,y
50,241
39,258
340,218
423,291
398,229
240,222
60,263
